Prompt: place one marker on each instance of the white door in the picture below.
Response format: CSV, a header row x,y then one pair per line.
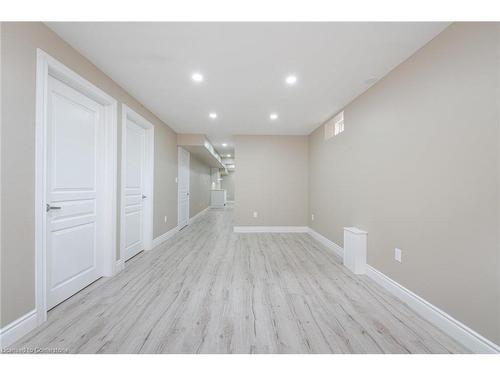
x,y
183,182
134,188
73,191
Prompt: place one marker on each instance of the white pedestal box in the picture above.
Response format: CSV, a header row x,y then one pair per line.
x,y
355,249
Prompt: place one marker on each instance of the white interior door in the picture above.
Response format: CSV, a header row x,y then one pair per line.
x,y
183,183
134,188
73,191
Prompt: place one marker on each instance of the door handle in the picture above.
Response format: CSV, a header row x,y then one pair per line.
x,y
143,196
49,207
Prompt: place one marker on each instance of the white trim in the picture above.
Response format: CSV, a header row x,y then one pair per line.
x,y
45,66
178,184
228,201
275,229
128,113
18,328
165,236
327,243
452,327
198,214
455,329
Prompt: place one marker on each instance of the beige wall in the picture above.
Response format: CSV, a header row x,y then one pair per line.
x,y
418,168
272,179
165,191
18,48
227,183
199,186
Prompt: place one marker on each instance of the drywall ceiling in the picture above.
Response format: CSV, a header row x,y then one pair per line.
x,y
244,66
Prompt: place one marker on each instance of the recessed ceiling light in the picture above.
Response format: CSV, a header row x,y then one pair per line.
x,y
197,77
291,80
224,145
228,155
212,115
273,116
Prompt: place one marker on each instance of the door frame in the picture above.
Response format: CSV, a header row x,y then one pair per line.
x,y
128,113
179,185
47,66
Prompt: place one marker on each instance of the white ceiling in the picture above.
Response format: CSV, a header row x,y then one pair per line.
x,y
244,67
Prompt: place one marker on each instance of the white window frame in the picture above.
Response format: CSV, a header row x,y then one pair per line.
x,y
339,123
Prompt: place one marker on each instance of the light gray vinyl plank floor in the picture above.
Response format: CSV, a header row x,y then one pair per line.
x,y
209,290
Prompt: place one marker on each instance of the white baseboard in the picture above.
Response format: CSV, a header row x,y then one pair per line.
x,y
455,329
326,242
165,236
260,229
198,214
18,328
452,327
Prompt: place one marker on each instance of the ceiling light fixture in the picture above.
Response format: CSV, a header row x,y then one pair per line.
x,y
291,80
273,116
224,145
197,77
212,115
228,155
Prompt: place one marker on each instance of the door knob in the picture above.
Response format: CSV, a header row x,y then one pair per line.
x,y
143,196
49,207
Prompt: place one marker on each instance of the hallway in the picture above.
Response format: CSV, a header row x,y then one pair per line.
x,y
209,290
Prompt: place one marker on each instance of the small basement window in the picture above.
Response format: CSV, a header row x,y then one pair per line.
x,y
329,130
339,123
335,126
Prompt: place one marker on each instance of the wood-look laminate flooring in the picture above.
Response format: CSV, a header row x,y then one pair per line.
x,y
209,290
